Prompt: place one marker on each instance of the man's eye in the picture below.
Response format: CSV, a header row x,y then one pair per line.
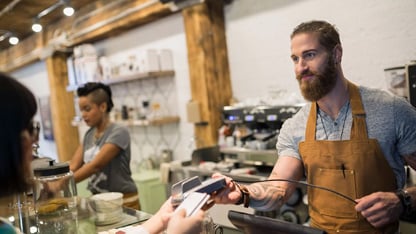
x,y
309,55
295,59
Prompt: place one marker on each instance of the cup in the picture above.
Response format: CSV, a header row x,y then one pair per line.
x,y
167,155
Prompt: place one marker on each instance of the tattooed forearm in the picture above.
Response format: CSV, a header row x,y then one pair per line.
x,y
265,196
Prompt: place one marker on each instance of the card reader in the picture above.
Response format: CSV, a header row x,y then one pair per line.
x,y
183,188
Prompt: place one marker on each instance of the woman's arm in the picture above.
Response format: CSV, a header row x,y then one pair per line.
x,y
77,160
107,152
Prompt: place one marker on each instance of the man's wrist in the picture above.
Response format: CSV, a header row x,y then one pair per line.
x,y
245,195
405,200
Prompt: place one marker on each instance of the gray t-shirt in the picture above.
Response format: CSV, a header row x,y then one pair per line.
x,y
390,119
116,175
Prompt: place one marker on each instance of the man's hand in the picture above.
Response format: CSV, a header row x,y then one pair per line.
x,y
228,195
380,208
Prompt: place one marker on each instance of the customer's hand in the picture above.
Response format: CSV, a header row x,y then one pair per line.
x,y
159,222
380,208
228,195
180,224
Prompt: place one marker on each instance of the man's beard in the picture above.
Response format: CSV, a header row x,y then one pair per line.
x,y
316,88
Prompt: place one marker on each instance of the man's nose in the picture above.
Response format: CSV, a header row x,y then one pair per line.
x,y
301,66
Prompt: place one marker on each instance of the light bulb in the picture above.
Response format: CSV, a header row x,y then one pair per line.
x,y
13,40
68,11
36,27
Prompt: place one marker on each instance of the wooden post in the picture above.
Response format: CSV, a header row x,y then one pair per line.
x,y
62,107
208,66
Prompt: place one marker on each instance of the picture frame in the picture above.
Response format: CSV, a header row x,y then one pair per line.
x,y
46,117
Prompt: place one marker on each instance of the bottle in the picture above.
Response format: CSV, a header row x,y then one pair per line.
x,y
132,113
124,112
144,112
156,111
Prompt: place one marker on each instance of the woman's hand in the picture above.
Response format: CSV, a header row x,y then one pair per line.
x,y
159,222
180,224
174,222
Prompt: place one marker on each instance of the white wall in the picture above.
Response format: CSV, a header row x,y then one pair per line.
x,y
375,35
167,33
35,77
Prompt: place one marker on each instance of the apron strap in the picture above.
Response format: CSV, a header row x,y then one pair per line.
x,y
310,133
359,127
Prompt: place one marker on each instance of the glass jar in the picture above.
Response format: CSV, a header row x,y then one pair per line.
x,y
55,198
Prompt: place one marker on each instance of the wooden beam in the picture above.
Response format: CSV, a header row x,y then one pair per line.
x,y
84,27
37,45
62,107
117,20
22,54
208,66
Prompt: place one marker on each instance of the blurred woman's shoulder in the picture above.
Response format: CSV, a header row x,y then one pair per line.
x,y
7,228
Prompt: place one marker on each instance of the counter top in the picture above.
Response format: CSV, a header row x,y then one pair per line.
x,y
130,217
80,220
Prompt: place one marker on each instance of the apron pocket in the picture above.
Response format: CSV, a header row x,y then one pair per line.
x,y
331,204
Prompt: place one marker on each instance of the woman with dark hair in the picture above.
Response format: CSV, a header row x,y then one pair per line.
x,y
17,134
18,106
104,156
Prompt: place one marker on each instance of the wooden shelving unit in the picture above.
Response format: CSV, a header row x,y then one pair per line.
x,y
128,78
148,135
151,122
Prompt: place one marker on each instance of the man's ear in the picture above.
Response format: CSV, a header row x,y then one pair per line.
x,y
337,53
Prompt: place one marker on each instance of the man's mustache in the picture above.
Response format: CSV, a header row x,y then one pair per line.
x,y
305,73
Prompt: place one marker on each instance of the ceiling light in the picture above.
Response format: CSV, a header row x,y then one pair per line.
x,y
13,40
36,27
68,10
4,34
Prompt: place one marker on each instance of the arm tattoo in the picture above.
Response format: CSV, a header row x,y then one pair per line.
x,y
265,196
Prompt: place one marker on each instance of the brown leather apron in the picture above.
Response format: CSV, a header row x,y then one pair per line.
x,y
355,168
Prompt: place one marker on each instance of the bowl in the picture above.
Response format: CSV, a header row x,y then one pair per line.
x,y
107,202
109,217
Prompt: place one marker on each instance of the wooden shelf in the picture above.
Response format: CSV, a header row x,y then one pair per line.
x,y
151,122
128,78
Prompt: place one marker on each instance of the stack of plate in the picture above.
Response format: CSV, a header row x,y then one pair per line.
x,y
108,207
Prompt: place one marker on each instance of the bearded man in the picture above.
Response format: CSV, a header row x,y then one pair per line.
x,y
351,139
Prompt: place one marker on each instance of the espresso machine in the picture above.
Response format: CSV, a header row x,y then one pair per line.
x,y
254,131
